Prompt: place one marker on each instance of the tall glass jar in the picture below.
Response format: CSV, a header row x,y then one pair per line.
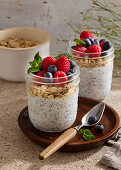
x,y
52,105
95,72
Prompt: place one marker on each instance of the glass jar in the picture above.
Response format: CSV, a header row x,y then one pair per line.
x,y
52,105
95,72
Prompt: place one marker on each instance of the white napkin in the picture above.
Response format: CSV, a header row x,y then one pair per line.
x,y
113,157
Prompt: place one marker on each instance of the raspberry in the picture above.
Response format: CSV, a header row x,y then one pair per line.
x,y
47,62
39,79
60,77
41,73
94,49
63,64
85,34
101,45
81,50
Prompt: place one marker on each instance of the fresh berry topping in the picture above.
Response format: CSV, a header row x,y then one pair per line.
x,y
73,47
52,69
99,128
69,74
96,42
106,45
88,42
63,64
72,64
86,34
48,61
71,70
81,50
41,73
39,79
49,77
60,77
91,39
92,120
104,53
102,40
101,45
94,49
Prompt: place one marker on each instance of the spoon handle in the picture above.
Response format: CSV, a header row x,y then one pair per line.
x,y
60,141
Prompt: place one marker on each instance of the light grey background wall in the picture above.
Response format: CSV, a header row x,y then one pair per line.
x,y
49,15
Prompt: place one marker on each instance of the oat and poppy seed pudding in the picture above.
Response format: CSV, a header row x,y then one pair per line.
x,y
95,60
53,93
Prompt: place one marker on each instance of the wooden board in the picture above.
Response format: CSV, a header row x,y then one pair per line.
x,y
110,120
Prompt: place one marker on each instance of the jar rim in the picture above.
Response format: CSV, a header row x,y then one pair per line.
x,y
110,51
72,77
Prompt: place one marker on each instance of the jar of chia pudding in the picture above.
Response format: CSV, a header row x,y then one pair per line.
x,y
95,69
53,102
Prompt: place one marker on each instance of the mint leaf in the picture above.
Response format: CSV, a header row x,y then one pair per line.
x,y
64,54
33,70
87,135
80,42
38,60
32,64
36,64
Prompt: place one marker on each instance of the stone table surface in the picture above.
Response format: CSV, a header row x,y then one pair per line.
x,y
19,153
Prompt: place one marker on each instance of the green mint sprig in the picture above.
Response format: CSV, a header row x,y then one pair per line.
x,y
80,42
64,54
87,135
36,64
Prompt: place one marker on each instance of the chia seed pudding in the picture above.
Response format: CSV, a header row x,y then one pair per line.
x,y
53,115
95,73
53,106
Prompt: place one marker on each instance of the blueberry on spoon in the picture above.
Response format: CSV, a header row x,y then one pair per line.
x,y
92,120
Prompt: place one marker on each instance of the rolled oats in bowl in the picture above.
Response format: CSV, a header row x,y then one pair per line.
x,y
14,42
95,60
52,91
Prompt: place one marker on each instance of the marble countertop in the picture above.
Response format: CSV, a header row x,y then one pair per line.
x,y
19,153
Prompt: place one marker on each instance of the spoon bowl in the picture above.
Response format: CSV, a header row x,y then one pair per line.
x,y
95,111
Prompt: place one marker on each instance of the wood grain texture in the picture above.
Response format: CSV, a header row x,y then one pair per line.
x,y
110,120
60,141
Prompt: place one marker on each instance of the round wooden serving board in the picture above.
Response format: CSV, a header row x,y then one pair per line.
x,y
110,120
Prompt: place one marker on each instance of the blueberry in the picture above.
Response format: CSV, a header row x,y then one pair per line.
x,y
88,42
102,40
92,120
69,74
99,128
52,69
48,75
96,42
104,53
106,45
73,47
71,70
91,39
72,64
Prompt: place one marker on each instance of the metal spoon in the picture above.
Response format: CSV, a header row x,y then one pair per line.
x,y
70,133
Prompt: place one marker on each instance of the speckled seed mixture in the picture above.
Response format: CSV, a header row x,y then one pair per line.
x,y
95,77
52,109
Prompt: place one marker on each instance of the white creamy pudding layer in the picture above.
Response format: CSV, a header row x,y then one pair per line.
x,y
52,115
95,82
53,109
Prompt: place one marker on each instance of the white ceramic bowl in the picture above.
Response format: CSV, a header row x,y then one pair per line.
x,y
14,60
